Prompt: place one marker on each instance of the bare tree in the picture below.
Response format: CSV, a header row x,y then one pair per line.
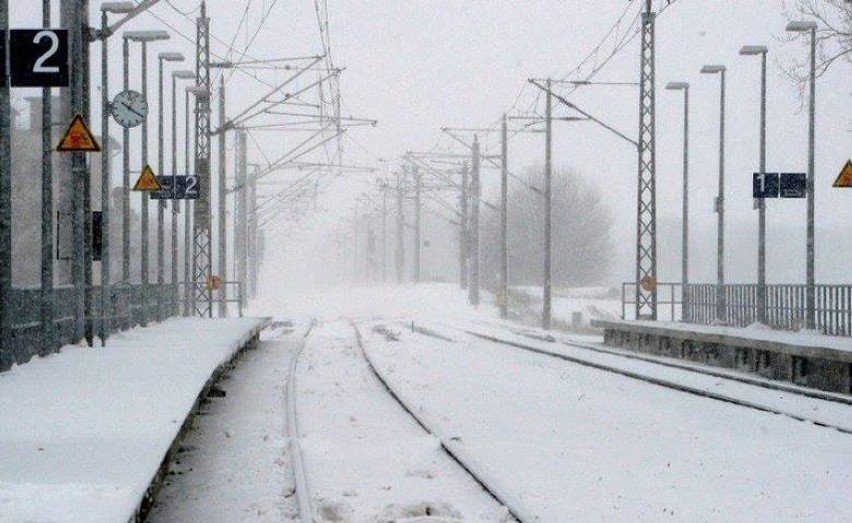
x,y
582,241
833,36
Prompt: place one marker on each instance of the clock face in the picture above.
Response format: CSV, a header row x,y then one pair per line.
x,y
129,108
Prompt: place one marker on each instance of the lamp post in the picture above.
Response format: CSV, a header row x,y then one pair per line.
x,y
721,302
178,75
810,297
106,307
144,37
161,204
760,50
684,263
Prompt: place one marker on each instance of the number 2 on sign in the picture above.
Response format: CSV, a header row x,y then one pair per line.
x,y
39,66
191,189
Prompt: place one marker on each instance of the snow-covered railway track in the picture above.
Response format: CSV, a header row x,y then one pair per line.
x,y
303,496
520,514
673,384
696,368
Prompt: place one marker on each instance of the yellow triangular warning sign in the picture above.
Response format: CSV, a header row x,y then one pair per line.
x,y
78,138
147,181
844,179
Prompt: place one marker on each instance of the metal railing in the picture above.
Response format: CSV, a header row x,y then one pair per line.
x,y
784,309
30,336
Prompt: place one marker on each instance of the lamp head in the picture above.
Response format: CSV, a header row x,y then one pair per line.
x,y
753,50
183,74
171,57
146,36
677,86
117,7
713,69
801,26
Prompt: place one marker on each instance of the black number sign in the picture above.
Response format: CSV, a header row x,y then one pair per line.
x,y
38,57
168,189
765,185
794,185
177,188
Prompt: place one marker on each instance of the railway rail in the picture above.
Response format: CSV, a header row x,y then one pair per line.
x,y
662,382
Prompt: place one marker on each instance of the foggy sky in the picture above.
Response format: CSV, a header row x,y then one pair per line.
x,y
418,65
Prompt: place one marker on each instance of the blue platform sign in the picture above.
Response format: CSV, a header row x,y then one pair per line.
x,y
765,185
177,188
794,185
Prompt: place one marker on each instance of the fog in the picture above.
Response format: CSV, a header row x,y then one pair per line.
x,y
415,67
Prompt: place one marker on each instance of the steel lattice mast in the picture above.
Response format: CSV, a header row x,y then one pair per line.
x,y
202,294
646,218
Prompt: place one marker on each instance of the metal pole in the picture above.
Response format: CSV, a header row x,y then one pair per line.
x,y
79,172
546,310
187,221
761,241
252,235
241,201
646,195
685,219
384,232
811,277
473,294
721,302
88,282
125,180
175,204
144,265
106,308
400,243
6,357
504,219
223,245
161,204
48,341
202,294
418,241
464,200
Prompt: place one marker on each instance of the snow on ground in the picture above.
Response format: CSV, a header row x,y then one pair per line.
x,y
591,302
569,442
366,459
83,432
235,464
832,413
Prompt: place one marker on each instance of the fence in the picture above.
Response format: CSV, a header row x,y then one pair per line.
x,y
29,337
785,305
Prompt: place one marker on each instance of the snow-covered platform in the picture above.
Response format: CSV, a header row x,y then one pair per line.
x,y
805,358
85,434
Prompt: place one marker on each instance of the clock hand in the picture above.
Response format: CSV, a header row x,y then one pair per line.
x,y
132,110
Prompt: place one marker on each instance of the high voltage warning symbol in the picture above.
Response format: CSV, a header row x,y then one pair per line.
x,y
78,138
147,181
844,179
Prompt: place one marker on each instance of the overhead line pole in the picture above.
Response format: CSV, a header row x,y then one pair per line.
x,y
418,185
223,246
503,299
473,294
6,357
464,242
202,295
547,290
400,230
